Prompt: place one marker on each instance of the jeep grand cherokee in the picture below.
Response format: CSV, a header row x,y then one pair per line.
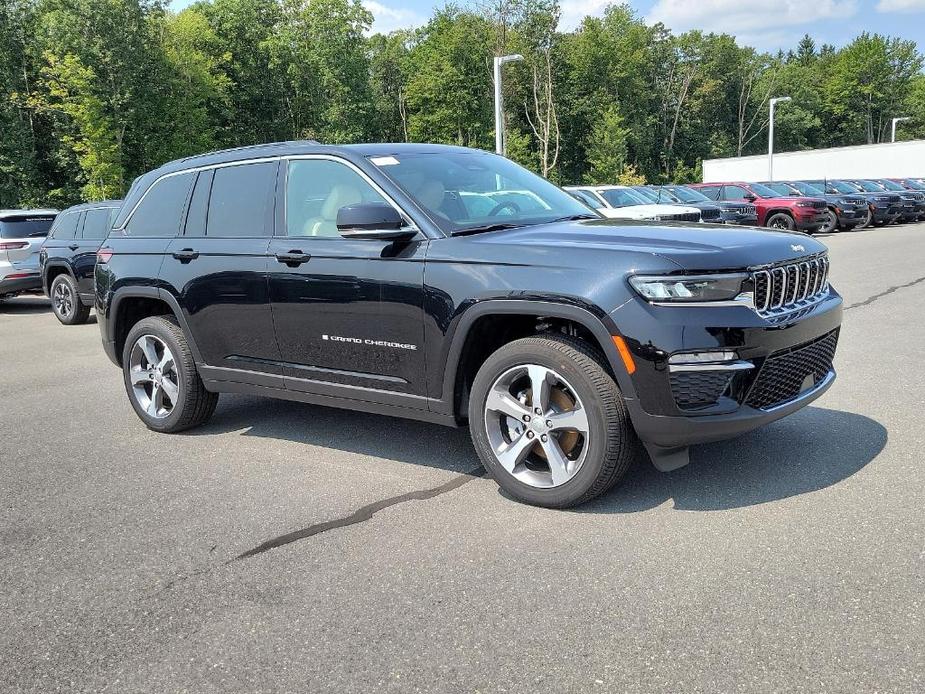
x,y
451,285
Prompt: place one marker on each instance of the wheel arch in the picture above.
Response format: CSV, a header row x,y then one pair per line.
x,y
597,328
132,304
52,270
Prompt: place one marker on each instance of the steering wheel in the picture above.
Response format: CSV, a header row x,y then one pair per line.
x,y
509,204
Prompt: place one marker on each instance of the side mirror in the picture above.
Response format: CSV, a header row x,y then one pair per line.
x,y
372,221
751,198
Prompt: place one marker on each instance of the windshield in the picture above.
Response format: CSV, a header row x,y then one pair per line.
x,y
763,190
622,197
782,188
891,185
844,187
687,194
807,189
469,191
869,186
25,227
659,195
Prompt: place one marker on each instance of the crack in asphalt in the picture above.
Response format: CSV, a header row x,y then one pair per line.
x,y
871,299
362,514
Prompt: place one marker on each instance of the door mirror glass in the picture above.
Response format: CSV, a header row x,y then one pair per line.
x,y
372,220
750,197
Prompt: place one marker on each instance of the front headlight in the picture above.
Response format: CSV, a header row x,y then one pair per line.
x,y
882,198
805,204
680,289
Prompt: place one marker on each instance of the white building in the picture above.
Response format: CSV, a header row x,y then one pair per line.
x,y
888,159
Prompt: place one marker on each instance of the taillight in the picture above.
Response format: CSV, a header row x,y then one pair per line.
x,y
12,245
103,255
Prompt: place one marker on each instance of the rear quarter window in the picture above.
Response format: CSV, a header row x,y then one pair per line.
x,y
159,212
97,223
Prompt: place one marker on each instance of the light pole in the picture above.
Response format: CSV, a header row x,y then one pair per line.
x,y
499,106
774,102
895,121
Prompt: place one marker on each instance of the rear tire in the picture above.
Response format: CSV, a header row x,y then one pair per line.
x,y
65,301
582,425
782,221
161,378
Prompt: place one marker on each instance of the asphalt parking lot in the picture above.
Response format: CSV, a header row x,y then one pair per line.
x,y
286,547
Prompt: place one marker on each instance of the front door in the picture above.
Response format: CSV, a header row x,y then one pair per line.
x,y
347,312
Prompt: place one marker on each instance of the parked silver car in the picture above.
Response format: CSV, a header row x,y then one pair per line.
x,y
22,233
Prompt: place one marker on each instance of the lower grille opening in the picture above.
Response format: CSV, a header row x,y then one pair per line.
x,y
696,389
785,374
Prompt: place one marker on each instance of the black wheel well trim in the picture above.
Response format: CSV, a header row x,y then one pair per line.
x,y
595,324
150,293
781,210
55,265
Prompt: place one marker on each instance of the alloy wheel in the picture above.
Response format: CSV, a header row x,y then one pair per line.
x,y
63,299
537,426
154,377
830,223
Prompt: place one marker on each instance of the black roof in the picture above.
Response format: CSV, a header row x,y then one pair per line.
x,y
277,149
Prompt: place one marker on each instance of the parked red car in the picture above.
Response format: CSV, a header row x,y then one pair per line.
x,y
774,211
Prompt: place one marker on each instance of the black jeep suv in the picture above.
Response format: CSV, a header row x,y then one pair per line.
x,y
450,285
68,257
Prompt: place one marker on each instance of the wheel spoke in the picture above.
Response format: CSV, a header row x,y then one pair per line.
x,y
150,349
139,376
558,463
170,389
512,454
154,404
503,402
539,384
166,362
572,420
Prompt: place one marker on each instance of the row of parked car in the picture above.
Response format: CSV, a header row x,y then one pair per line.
x,y
818,205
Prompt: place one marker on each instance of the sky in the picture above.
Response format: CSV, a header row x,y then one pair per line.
x,y
765,24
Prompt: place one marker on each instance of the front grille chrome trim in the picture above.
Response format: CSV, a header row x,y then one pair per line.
x,y
788,287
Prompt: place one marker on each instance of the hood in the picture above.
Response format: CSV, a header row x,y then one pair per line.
x,y
647,211
692,247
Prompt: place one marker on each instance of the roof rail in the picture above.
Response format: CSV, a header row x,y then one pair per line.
x,y
247,147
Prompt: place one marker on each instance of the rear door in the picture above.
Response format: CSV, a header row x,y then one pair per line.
x,y
217,268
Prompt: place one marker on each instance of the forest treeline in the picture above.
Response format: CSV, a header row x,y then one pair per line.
x,y
95,92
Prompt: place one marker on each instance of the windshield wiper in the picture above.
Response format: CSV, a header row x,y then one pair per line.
x,y
488,227
573,218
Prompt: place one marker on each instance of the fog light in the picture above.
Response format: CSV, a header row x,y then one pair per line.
x,y
702,357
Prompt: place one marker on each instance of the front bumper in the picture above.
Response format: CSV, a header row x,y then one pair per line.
x,y
17,282
849,217
667,427
729,217
809,222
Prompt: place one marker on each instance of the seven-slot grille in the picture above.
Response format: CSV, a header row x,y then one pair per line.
x,y
788,287
786,374
710,213
745,209
819,204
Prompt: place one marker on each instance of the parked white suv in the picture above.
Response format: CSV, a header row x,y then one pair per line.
x,y
22,233
622,202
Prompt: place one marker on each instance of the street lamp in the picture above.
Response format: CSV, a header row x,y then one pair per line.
x,y
774,102
499,106
895,121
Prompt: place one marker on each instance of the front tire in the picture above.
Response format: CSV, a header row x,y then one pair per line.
x,y
161,378
782,221
568,444
868,220
65,301
830,225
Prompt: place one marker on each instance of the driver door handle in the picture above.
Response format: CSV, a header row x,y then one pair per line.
x,y
73,246
293,258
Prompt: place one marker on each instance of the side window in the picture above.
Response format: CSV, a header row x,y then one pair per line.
x,y
316,189
242,200
711,192
199,205
160,209
96,223
65,226
734,193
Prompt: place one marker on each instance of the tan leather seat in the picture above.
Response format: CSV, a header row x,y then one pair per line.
x,y
341,195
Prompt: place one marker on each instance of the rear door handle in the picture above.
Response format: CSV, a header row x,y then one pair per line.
x,y
186,254
293,258
73,246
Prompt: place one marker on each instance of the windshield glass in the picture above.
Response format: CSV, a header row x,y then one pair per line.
x,y
807,189
891,185
763,191
467,191
622,197
25,227
844,187
687,194
782,188
869,186
660,195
